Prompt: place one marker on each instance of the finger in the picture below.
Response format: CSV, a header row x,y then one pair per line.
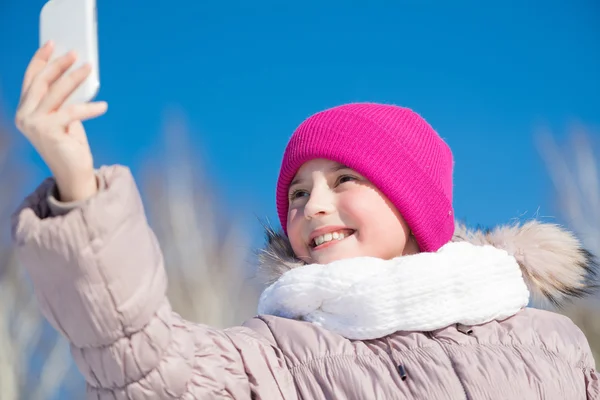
x,y
81,112
45,78
63,88
37,63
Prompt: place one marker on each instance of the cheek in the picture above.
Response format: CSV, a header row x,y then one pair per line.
x,y
294,230
392,231
356,209
378,220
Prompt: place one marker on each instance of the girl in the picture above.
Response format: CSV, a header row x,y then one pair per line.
x,y
375,293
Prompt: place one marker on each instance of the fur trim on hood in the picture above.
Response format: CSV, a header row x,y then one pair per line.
x,y
555,266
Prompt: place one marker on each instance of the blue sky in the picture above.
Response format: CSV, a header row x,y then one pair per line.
x,y
247,73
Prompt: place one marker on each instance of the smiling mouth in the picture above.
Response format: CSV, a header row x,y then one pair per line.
x,y
329,239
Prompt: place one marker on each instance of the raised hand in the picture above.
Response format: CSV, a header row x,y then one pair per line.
x,y
55,131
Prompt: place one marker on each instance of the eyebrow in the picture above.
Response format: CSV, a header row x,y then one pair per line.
x,y
335,168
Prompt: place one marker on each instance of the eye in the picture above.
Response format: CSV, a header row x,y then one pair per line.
x,y
346,178
297,194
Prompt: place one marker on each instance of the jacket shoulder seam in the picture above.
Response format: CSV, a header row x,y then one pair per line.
x,y
272,339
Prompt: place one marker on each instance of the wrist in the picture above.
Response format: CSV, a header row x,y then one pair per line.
x,y
79,189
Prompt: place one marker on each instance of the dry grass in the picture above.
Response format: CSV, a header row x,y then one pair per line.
x,y
574,171
207,254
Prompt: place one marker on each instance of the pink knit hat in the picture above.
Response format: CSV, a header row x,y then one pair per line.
x,y
393,147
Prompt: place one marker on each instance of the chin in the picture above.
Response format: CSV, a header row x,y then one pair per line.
x,y
329,258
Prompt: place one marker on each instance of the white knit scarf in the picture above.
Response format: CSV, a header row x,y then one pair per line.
x,y
368,298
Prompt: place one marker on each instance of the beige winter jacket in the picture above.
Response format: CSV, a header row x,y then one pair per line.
x,y
99,277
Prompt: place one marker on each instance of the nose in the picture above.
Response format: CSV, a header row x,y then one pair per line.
x,y
320,203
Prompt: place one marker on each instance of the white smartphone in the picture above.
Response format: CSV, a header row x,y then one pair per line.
x,y
72,25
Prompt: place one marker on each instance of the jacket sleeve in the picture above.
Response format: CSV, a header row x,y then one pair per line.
x,y
584,359
98,276
592,382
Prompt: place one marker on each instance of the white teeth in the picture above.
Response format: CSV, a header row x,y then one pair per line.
x,y
328,237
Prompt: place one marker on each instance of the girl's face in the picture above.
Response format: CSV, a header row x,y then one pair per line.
x,y
336,213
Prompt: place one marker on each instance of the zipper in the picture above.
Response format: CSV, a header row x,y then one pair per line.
x,y
462,386
399,366
467,330
402,372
